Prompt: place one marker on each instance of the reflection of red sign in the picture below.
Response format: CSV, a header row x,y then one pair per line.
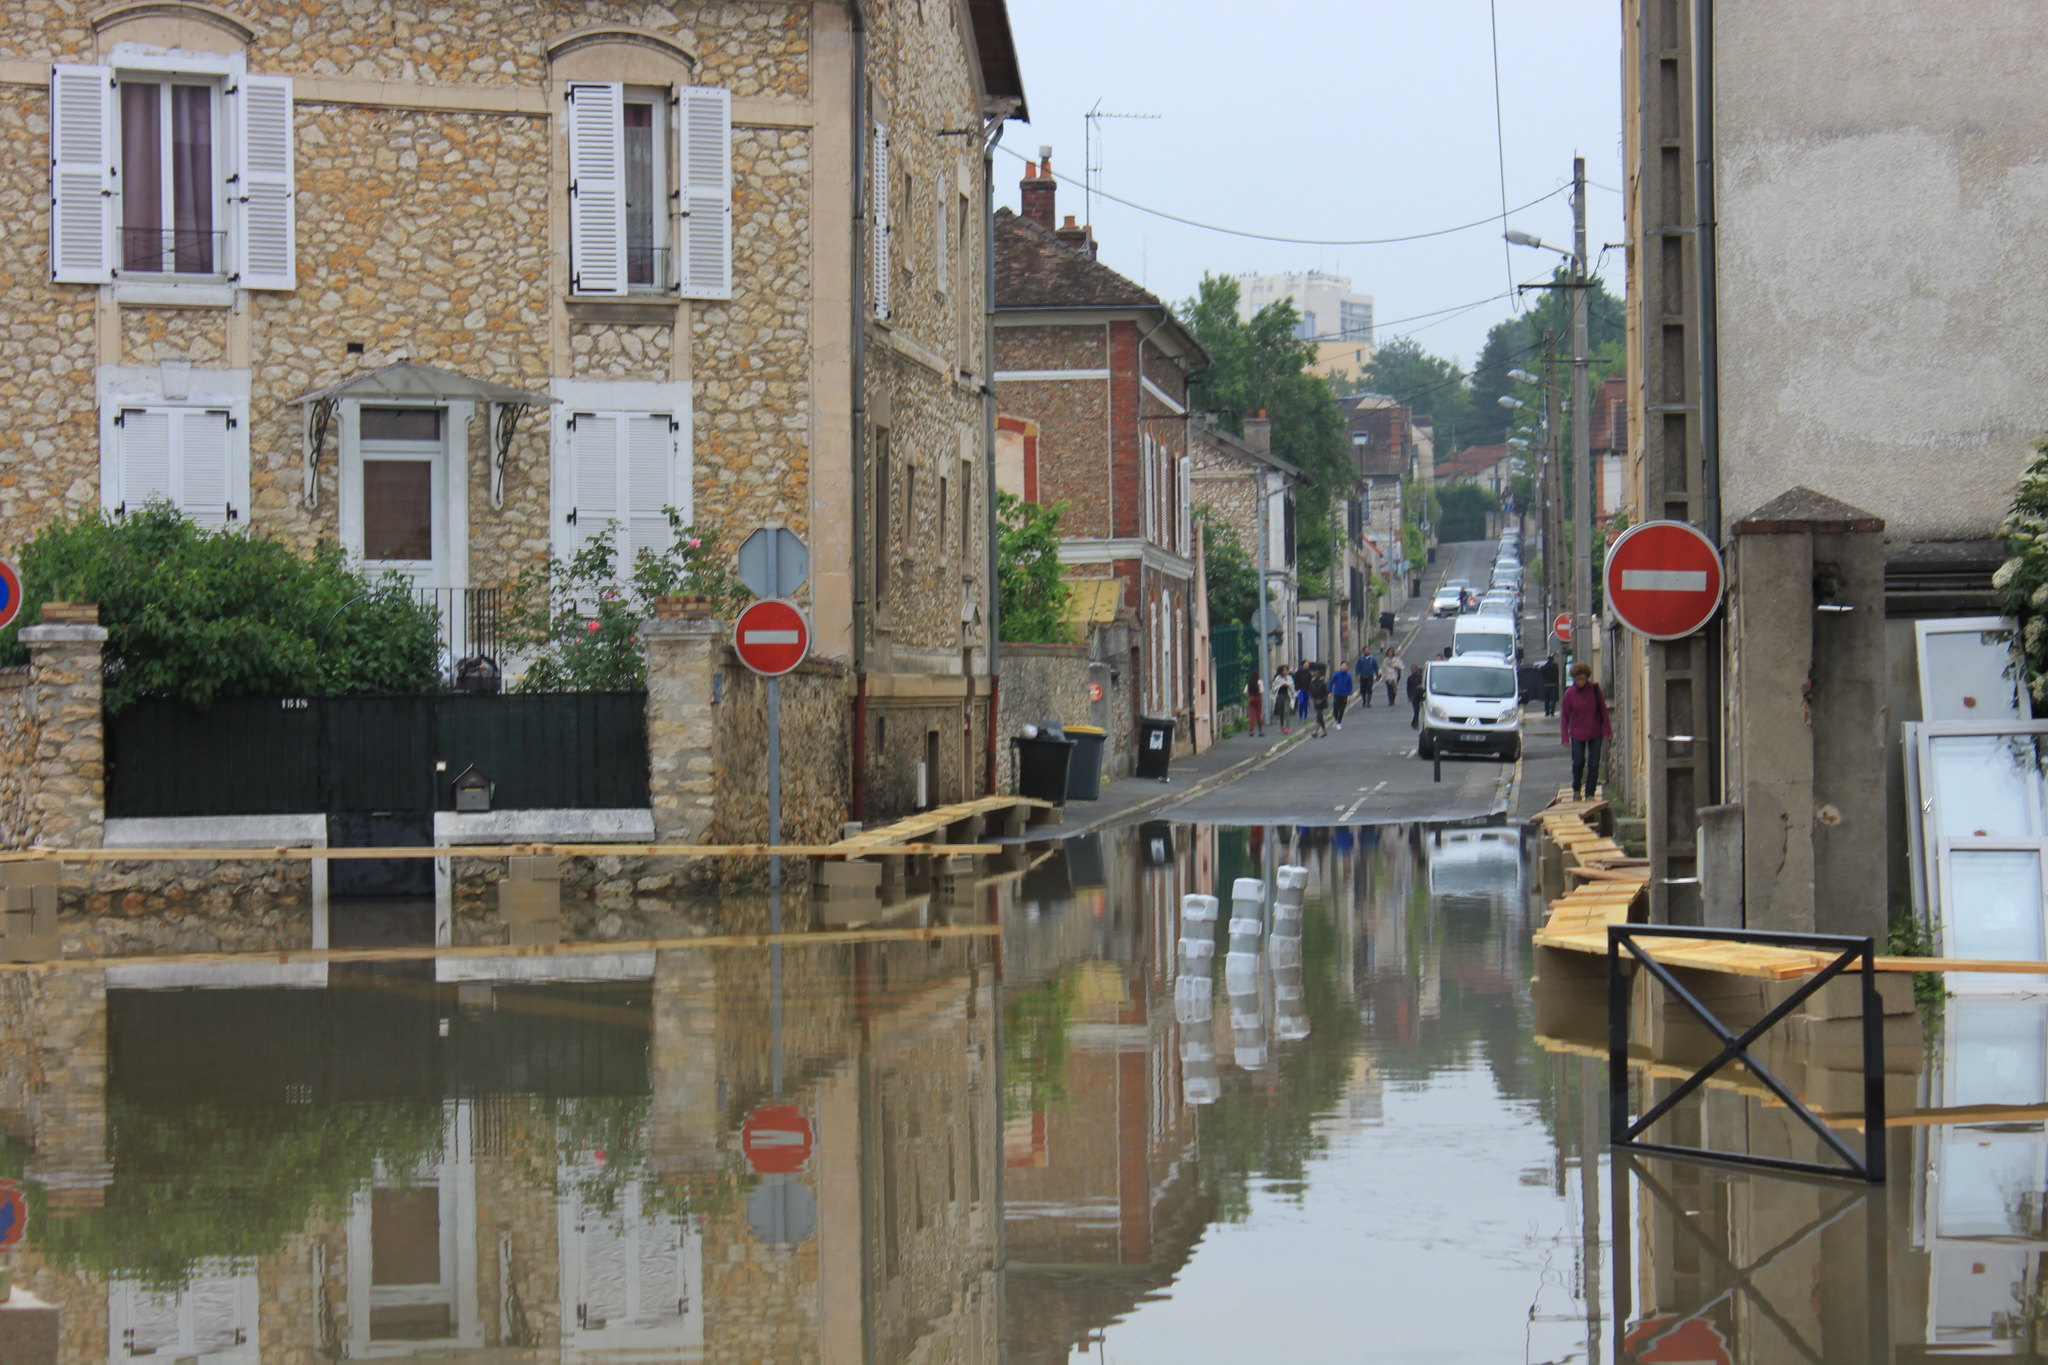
x,y
13,1213
1690,1343
10,593
776,1139
771,637
1095,691
1663,579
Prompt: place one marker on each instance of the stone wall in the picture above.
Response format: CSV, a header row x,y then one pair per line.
x,y
817,760
17,754
1040,683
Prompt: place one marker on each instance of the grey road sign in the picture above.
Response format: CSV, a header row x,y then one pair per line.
x,y
774,562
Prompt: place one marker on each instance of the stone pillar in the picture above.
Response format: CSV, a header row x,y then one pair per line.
x,y
1806,707
683,659
684,1116
71,1158
68,795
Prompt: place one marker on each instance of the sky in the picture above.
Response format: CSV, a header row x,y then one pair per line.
x,y
1334,120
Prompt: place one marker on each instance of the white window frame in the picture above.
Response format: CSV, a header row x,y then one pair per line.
x,y
692,191
454,1177
223,249
126,387
622,398
661,196
449,568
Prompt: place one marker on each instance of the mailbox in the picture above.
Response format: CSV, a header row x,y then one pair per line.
x,y
472,790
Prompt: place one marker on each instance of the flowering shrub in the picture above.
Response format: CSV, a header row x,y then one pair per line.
x,y
579,620
2022,581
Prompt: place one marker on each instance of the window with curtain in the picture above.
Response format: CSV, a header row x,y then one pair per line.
x,y
170,190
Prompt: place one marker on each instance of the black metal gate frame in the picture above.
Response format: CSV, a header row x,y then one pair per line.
x,y
1622,1134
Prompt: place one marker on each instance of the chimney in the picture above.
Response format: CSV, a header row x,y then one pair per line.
x,y
1074,235
1039,187
1258,433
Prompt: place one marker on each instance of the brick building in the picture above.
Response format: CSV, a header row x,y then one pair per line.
x,y
1384,449
1091,393
460,295
1607,440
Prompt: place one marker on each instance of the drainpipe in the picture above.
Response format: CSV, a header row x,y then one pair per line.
x,y
1138,420
988,411
1707,292
862,608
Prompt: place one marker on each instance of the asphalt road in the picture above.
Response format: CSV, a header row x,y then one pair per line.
x,y
1367,773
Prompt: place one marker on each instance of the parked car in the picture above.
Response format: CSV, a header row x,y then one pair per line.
x,y
1470,704
1450,598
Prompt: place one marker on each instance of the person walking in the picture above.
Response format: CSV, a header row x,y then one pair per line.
x,y
1387,626
1255,703
1368,673
1547,672
1319,697
1283,698
1340,693
1301,680
1584,726
1391,669
1415,698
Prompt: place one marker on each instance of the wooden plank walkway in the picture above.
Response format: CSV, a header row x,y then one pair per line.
x,y
300,854
898,836
1612,888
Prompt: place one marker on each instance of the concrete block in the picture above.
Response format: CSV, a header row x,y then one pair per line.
x,y
28,1330
832,873
536,933
43,897
1842,998
843,909
34,872
529,902
30,948
533,868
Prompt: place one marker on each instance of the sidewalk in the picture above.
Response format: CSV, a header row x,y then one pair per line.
x,y
1128,797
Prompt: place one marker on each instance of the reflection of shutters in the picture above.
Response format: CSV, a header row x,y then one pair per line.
x,y
265,164
632,1276
878,222
706,192
214,1318
649,458
155,1326
81,174
597,190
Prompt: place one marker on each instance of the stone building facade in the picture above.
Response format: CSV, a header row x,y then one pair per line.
x,y
1251,490
1091,385
463,288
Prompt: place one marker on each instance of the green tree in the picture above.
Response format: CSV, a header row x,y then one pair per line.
x,y
1031,590
1540,341
1261,365
194,615
1465,507
1431,386
1230,576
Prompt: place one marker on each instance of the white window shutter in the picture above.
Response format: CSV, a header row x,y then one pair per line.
x,y
81,174
597,188
146,458
649,464
264,140
942,227
705,181
878,222
593,483
204,451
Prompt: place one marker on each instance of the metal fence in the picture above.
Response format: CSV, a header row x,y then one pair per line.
x,y
302,755
472,625
1236,652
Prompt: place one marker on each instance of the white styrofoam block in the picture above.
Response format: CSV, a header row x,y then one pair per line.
x,y
1242,927
1197,909
1290,877
1197,949
1247,889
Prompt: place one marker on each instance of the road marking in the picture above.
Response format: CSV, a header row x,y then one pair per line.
x,y
1664,580
1345,818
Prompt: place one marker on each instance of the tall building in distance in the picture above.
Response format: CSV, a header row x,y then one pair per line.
x,y
1329,310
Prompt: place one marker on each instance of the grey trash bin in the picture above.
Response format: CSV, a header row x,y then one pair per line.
x,y
1042,768
1084,774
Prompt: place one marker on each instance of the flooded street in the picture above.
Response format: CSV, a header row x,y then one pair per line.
x,y
1046,1136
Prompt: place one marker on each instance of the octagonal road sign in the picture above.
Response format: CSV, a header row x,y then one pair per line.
x,y
776,1139
771,638
1663,579
774,562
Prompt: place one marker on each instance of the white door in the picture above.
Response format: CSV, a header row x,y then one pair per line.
x,y
402,492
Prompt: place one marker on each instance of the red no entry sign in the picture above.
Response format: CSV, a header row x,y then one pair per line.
x,y
1663,579
771,637
10,593
13,1213
1562,627
776,1139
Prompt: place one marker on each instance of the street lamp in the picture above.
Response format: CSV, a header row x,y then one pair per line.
x,y
1508,400
1523,377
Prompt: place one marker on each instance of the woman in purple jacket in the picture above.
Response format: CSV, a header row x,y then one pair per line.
x,y
1584,725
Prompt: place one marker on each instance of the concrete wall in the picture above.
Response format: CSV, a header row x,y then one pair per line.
x,y
1879,167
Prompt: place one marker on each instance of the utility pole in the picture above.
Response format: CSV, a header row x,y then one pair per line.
x,y
1582,479
1553,501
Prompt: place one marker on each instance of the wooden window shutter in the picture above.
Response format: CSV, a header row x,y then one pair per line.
x,y
705,192
593,483
81,174
204,452
264,147
648,474
942,234
878,223
147,462
597,188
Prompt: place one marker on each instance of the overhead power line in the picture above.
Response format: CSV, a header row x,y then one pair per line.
x,y
1500,141
1101,193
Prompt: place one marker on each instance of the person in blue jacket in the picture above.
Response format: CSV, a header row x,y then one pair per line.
x,y
1368,673
1340,693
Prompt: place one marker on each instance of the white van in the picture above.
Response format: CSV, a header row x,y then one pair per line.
x,y
1470,704
1486,633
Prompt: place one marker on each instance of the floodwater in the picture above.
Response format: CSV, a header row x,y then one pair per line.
x,y
1047,1137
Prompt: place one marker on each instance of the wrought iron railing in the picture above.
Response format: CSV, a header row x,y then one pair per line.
x,y
472,634
173,251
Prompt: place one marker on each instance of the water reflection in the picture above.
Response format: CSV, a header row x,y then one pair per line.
x,y
1169,1095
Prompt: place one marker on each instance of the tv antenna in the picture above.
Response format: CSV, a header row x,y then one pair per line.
x,y
1091,160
